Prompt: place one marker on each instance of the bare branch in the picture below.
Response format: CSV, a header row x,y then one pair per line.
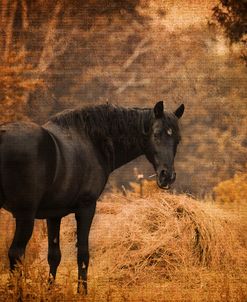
x,y
9,30
25,22
140,49
126,84
130,83
47,53
53,46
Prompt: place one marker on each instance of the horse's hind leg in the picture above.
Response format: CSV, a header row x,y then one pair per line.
x,y
23,232
84,221
54,253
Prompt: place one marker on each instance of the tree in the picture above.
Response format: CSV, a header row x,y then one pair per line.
x,y
38,38
232,16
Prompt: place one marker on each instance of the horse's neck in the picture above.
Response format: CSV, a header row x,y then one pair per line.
x,y
129,146
124,154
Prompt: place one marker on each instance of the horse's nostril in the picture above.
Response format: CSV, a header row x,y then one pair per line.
x,y
164,173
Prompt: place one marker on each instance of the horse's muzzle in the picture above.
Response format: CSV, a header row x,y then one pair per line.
x,y
165,179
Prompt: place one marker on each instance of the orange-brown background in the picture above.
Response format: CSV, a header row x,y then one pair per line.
x,y
61,54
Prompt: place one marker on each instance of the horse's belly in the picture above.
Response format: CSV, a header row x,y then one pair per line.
x,y
43,213
57,202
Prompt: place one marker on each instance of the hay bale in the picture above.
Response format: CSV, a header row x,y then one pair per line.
x,y
159,235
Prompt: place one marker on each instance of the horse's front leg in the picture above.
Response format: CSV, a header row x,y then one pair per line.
x,y
84,220
23,232
54,252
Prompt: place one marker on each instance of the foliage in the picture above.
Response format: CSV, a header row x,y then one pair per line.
x,y
43,33
232,190
80,58
232,16
16,82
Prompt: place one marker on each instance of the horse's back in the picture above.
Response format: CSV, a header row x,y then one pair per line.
x,y
27,160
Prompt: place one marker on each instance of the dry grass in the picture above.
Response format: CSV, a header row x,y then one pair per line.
x,y
162,247
232,190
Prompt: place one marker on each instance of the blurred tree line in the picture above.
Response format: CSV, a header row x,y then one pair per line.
x,y
44,44
61,54
232,16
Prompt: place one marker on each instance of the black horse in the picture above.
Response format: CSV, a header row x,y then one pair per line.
x,y
62,167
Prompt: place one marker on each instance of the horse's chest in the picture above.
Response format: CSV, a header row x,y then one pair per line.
x,y
78,178
92,182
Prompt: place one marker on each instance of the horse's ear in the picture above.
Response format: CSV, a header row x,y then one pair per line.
x,y
158,109
179,111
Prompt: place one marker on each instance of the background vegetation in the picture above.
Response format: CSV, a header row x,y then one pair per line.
x,y
231,15
62,54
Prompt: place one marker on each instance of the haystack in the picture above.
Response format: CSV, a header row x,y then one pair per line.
x,y
160,234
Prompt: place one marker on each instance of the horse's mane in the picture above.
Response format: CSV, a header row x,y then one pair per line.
x,y
107,124
109,121
104,121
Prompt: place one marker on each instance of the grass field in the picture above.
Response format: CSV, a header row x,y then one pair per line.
x,y
161,247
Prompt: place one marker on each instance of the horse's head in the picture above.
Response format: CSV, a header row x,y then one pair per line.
x,y
162,143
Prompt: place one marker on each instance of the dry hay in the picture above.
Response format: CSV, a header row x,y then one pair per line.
x,y
143,249
157,236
